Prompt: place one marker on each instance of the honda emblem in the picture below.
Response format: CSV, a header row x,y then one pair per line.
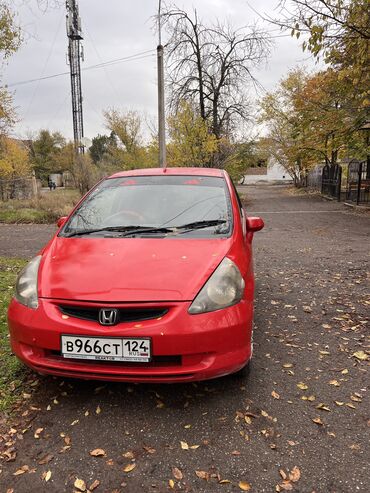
x,y
108,316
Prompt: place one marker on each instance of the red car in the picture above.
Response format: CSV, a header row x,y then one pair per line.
x,y
149,279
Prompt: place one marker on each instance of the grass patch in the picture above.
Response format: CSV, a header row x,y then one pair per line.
x,y
46,208
12,372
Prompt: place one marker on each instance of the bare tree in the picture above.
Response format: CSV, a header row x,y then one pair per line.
x,y
211,66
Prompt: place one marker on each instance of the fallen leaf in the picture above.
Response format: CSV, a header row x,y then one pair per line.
x,y
98,410
244,486
47,476
295,474
322,406
98,452
282,473
302,386
360,355
194,447
334,382
150,450
224,481
317,421
128,455
287,365
177,473
37,432
80,484
46,459
202,475
275,395
94,485
129,467
171,483
184,445
21,470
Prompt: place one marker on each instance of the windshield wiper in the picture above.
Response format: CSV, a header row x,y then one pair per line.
x,y
201,224
127,230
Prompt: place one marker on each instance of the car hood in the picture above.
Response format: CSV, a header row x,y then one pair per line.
x,y
128,269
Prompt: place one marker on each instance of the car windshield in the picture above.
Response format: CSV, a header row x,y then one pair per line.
x,y
155,206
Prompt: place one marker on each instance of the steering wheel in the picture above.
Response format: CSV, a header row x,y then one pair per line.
x,y
132,214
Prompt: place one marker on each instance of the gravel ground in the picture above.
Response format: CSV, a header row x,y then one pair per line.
x,y
299,422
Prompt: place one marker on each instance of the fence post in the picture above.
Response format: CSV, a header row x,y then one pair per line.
x,y
359,183
339,182
34,184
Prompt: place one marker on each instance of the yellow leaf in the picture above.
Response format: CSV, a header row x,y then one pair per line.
x,y
317,421
224,481
171,483
338,403
287,365
129,467
244,486
184,445
248,420
98,410
47,476
98,452
334,382
302,386
275,395
361,355
344,372
80,484
194,447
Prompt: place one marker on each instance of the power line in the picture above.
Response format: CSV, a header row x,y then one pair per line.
x,y
131,58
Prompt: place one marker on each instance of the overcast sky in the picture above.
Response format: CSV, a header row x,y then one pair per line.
x,y
114,29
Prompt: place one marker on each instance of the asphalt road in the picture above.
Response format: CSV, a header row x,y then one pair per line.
x,y
304,409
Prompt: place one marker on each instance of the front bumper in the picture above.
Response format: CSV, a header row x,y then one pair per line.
x,y
185,347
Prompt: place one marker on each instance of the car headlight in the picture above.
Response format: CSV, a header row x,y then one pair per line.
x,y
224,288
26,285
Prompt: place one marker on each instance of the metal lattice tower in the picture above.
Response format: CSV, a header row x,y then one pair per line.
x,y
75,54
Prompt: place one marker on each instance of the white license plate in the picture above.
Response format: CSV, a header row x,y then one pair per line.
x,y
106,348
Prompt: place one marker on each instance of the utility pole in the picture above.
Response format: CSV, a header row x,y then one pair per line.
x,y
161,107
75,54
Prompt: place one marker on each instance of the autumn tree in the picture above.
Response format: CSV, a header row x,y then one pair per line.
x,y
14,159
128,151
191,143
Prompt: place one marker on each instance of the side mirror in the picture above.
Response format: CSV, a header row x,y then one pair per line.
x,y
61,221
254,224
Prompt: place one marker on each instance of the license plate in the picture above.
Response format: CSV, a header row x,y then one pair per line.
x,y
106,348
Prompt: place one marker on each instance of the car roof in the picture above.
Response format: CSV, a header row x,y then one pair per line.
x,y
171,172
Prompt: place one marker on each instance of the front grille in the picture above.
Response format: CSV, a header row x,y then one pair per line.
x,y
124,314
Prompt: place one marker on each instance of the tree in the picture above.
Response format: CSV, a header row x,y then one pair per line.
x,y
14,159
45,153
191,142
286,135
10,39
211,67
101,146
338,31
127,150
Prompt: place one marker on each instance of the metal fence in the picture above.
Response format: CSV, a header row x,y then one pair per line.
x,y
331,182
314,178
358,182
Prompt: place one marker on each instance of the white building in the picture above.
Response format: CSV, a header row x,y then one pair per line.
x,y
274,172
